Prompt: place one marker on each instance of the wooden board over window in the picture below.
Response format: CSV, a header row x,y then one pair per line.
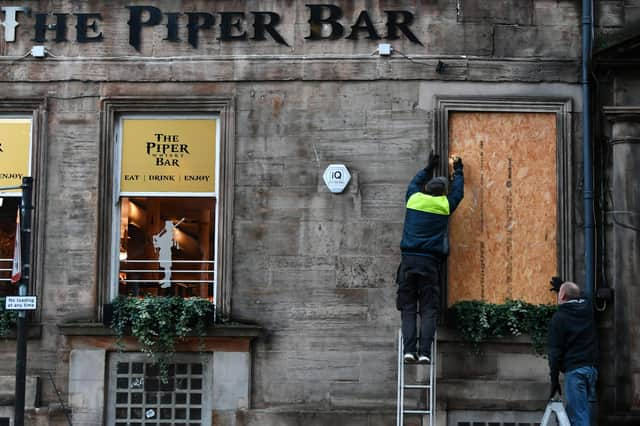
x,y
503,236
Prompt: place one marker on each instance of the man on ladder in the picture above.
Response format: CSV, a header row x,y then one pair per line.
x,y
424,248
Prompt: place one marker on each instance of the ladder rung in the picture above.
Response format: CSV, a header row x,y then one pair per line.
x,y
417,411
417,386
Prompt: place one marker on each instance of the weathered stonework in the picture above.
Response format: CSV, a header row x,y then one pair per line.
x,y
314,269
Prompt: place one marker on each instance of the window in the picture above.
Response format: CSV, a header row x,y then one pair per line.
x,y
494,418
165,241
137,395
15,163
513,230
166,198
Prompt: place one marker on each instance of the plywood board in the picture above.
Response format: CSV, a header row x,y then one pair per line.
x,y
503,235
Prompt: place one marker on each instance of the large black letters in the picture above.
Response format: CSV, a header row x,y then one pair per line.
x,y
136,24
194,25
260,26
316,21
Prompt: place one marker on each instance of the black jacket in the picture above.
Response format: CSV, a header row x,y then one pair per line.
x,y
426,223
572,338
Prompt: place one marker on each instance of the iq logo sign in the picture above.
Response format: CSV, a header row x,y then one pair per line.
x,y
336,177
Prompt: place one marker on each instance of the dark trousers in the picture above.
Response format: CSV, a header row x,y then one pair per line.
x,y
418,286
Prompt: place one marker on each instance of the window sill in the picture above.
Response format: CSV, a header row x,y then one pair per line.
x,y
450,335
221,337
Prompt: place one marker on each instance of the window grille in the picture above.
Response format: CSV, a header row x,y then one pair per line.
x,y
137,395
494,418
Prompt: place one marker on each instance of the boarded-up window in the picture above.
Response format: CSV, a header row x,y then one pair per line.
x,y
504,233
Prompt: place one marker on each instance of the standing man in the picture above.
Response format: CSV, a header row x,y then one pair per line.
x,y
573,349
424,248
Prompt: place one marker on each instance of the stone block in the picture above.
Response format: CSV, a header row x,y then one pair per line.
x,y
460,362
501,11
610,13
627,91
632,13
8,391
548,41
553,12
365,272
254,173
231,380
87,385
493,395
358,395
381,312
472,39
513,366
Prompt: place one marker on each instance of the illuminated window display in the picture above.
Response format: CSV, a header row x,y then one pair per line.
x,y
15,158
167,205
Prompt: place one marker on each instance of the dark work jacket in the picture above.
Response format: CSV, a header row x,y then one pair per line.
x,y
572,338
426,222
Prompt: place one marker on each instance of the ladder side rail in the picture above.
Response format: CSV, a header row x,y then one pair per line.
x,y
561,415
400,391
432,380
555,407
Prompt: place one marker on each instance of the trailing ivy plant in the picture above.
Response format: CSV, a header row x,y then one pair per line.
x,y
158,322
8,319
479,321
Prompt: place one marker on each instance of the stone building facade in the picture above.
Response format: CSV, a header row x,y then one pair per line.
x,y
283,89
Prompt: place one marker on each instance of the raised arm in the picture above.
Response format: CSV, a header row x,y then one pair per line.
x,y
456,194
423,176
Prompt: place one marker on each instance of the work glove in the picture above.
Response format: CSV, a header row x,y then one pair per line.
x,y
457,164
555,282
434,160
555,388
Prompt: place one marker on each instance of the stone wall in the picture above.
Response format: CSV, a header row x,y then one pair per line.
x,y
315,269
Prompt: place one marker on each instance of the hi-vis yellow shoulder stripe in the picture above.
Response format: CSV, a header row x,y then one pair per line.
x,y
427,203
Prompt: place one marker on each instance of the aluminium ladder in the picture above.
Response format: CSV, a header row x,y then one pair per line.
x,y
430,388
555,407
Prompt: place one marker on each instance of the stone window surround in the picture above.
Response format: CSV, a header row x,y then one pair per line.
x,y
111,109
36,109
562,107
90,346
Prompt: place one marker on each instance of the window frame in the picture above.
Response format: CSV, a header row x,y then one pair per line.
x,y
206,360
113,109
118,194
562,107
34,108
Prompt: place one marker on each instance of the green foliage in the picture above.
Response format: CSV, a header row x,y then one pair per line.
x,y
158,322
8,319
479,321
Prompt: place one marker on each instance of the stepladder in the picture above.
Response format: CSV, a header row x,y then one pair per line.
x,y
416,388
555,407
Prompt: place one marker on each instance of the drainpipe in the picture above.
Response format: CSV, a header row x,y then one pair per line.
x,y
587,161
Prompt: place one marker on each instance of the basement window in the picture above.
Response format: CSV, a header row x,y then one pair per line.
x,y
494,418
137,395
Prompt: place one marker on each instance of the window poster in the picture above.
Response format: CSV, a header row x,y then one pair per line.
x,y
168,156
15,149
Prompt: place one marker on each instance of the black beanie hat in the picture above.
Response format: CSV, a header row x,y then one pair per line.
x,y
437,186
